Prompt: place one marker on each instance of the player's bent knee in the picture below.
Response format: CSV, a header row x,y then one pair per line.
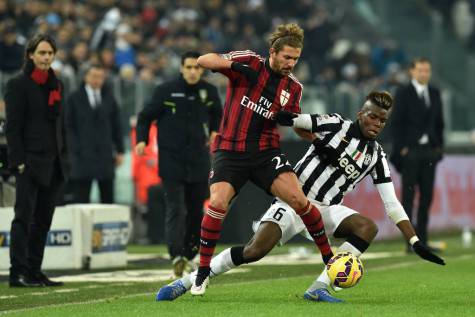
x,y
373,228
219,203
366,228
253,253
297,201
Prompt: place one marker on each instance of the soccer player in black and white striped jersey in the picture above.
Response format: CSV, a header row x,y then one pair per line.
x,y
342,153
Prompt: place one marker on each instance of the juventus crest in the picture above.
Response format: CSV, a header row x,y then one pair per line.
x,y
367,159
284,97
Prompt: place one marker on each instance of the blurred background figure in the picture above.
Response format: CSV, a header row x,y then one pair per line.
x,y
7,185
149,201
95,137
12,47
418,140
188,112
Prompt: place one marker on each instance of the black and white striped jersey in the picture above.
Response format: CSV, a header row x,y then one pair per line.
x,y
338,159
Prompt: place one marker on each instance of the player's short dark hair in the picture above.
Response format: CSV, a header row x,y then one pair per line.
x,y
286,34
418,60
35,41
189,54
382,99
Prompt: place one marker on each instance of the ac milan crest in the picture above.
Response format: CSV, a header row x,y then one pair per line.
x,y
284,97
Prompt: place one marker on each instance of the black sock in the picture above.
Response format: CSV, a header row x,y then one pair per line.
x,y
203,273
237,255
357,242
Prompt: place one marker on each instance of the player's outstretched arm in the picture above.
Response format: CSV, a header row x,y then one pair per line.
x,y
397,214
214,61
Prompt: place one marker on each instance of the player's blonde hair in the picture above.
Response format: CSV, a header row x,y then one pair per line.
x,y
286,34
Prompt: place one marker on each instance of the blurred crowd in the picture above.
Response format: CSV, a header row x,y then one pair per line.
x,y
144,39
459,16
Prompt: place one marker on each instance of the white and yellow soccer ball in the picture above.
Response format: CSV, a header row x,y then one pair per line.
x,y
345,270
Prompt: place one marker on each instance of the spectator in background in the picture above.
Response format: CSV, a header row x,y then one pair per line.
x,y
11,48
149,201
7,185
78,58
418,130
386,54
37,155
95,137
188,111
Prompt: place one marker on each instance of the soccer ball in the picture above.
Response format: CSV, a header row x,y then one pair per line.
x,y
345,270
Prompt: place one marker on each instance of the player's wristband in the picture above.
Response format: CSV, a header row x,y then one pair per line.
x,y
413,240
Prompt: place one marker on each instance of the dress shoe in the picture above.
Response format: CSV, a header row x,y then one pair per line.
x,y
23,281
41,278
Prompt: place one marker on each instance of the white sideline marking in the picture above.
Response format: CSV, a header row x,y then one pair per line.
x,y
8,296
128,276
314,258
145,256
5,312
66,290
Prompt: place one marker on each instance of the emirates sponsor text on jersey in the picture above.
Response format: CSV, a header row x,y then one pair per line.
x,y
261,107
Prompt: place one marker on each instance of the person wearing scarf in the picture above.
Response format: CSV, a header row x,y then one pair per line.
x,y
37,156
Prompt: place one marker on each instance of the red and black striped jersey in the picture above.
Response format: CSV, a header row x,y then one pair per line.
x,y
247,123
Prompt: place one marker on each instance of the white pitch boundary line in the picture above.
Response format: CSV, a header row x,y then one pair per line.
x,y
382,268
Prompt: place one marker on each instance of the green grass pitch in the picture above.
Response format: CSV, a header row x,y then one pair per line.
x,y
402,285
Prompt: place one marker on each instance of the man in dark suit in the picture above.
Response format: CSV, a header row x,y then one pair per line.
x,y
37,155
94,137
188,112
418,140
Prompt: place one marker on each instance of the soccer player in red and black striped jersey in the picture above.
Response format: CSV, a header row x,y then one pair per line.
x,y
247,145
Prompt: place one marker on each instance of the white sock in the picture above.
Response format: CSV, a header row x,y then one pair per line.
x,y
348,247
220,264
323,280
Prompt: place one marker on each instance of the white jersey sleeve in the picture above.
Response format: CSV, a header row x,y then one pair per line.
x,y
392,205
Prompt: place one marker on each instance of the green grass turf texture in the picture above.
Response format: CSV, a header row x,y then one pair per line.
x,y
399,286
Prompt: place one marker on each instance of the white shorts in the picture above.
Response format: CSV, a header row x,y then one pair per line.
x,y
291,224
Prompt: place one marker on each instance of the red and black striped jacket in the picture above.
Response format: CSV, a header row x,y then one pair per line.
x,y
247,125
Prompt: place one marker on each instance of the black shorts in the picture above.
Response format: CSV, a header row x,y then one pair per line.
x,y
236,168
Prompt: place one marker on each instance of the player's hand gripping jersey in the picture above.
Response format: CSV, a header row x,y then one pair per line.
x,y
247,123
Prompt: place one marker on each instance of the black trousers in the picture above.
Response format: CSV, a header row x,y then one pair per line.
x,y
155,215
418,171
34,208
82,190
184,212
